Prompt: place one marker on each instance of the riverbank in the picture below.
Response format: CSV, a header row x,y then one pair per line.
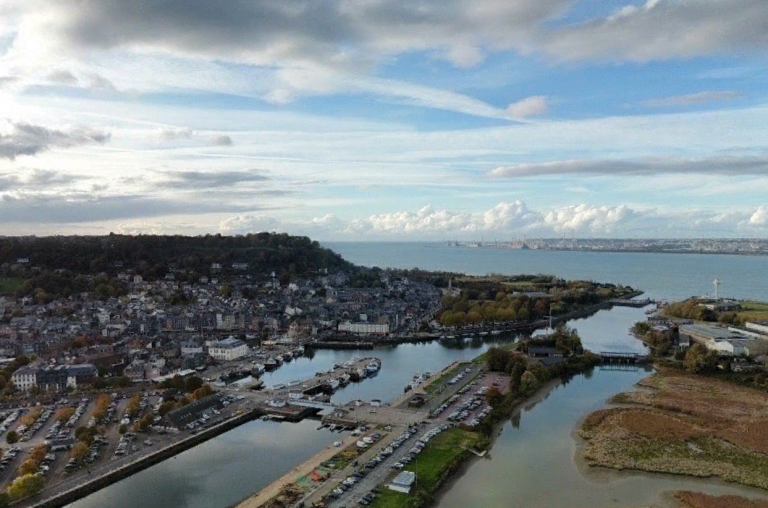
x,y
455,449
686,425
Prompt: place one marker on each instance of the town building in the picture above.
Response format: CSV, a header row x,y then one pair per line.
x,y
228,349
364,328
25,378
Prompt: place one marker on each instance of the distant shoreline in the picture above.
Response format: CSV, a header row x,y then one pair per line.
x,y
616,251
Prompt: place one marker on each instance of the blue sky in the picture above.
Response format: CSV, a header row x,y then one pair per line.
x,y
385,119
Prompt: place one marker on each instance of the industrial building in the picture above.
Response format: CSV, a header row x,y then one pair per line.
x,y
723,340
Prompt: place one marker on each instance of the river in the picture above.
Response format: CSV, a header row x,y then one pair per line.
x,y
533,461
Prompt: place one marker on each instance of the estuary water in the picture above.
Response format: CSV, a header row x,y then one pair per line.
x,y
669,276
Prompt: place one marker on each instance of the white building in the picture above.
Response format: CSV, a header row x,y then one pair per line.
x,y
759,327
25,378
403,482
228,349
364,328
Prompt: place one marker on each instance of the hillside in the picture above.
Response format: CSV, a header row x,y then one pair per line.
x,y
152,257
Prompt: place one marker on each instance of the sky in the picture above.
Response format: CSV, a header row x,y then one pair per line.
x,y
369,120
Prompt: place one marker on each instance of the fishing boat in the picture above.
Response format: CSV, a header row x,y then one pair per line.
x,y
270,364
372,367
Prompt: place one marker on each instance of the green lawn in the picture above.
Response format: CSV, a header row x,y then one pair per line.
x,y
438,383
9,284
430,465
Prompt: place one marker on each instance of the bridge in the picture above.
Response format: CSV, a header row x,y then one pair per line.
x,y
317,404
621,357
623,302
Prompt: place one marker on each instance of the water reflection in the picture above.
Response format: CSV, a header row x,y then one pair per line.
x,y
535,459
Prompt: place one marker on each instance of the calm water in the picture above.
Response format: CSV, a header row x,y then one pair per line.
x,y
533,463
219,472
673,276
535,452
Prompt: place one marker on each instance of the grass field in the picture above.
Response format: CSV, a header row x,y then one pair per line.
x,y
441,454
754,310
9,284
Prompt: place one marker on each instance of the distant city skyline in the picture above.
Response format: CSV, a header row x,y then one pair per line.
x,y
385,120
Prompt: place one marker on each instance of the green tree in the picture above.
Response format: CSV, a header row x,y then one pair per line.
x,y
528,380
12,437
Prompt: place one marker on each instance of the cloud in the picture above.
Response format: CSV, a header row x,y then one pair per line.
x,y
661,30
535,105
185,133
63,77
36,179
760,217
72,208
584,218
512,220
210,180
716,165
344,34
692,99
222,140
7,81
337,45
250,224
27,139
172,134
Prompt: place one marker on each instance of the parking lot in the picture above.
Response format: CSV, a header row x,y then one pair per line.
x,y
362,486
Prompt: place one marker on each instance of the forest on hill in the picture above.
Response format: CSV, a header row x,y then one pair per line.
x,y
66,264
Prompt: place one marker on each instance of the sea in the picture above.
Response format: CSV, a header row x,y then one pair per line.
x,y
660,275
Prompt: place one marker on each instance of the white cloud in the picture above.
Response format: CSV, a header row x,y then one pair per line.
x,y
587,219
692,99
760,217
516,219
535,105
250,224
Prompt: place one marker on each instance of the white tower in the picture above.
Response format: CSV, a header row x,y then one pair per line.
x,y
717,283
